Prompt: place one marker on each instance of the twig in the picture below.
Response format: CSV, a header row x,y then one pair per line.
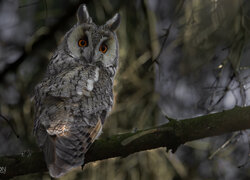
x,y
10,124
223,146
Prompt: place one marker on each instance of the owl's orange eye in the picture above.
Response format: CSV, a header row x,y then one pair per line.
x,y
82,43
103,48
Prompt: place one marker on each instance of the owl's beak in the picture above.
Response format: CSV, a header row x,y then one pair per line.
x,y
87,57
95,58
96,61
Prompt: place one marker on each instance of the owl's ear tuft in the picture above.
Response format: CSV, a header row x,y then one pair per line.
x,y
114,22
83,15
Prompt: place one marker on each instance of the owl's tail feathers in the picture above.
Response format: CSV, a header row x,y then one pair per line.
x,y
55,171
61,156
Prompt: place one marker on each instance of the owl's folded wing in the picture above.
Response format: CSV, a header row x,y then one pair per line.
x,y
65,144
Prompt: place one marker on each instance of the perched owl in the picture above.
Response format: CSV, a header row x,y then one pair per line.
x,y
75,96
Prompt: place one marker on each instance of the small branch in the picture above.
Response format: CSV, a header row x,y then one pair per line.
x,y
10,124
223,146
169,135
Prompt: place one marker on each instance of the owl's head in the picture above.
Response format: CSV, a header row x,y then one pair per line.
x,y
92,43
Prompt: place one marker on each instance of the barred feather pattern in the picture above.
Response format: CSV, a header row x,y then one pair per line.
x,y
75,96
71,107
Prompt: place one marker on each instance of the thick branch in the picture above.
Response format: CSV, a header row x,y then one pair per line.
x,y
169,135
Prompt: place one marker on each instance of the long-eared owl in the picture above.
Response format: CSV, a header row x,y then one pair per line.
x,y
75,96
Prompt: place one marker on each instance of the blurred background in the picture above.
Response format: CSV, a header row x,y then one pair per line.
x,y
178,59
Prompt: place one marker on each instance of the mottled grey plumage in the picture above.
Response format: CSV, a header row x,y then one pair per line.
x,y
75,96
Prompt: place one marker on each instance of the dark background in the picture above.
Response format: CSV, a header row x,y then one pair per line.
x,y
178,59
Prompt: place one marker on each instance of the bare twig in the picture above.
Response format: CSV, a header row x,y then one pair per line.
x,y
10,124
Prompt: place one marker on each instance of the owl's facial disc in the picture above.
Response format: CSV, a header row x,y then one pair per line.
x,y
91,44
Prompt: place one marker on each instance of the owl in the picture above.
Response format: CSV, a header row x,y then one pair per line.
x,y
75,96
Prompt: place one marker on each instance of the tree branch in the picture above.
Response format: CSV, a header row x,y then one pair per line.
x,y
169,135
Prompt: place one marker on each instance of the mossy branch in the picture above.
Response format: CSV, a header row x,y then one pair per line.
x,y
169,135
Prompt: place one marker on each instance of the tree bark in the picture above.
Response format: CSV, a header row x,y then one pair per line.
x,y
170,135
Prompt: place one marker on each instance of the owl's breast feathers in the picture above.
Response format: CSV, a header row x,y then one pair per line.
x,y
70,110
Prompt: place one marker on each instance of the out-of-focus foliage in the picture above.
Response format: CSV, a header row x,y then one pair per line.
x,y
206,57
177,58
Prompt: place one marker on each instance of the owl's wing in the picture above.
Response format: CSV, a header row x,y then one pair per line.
x,y
67,149
67,122
65,139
